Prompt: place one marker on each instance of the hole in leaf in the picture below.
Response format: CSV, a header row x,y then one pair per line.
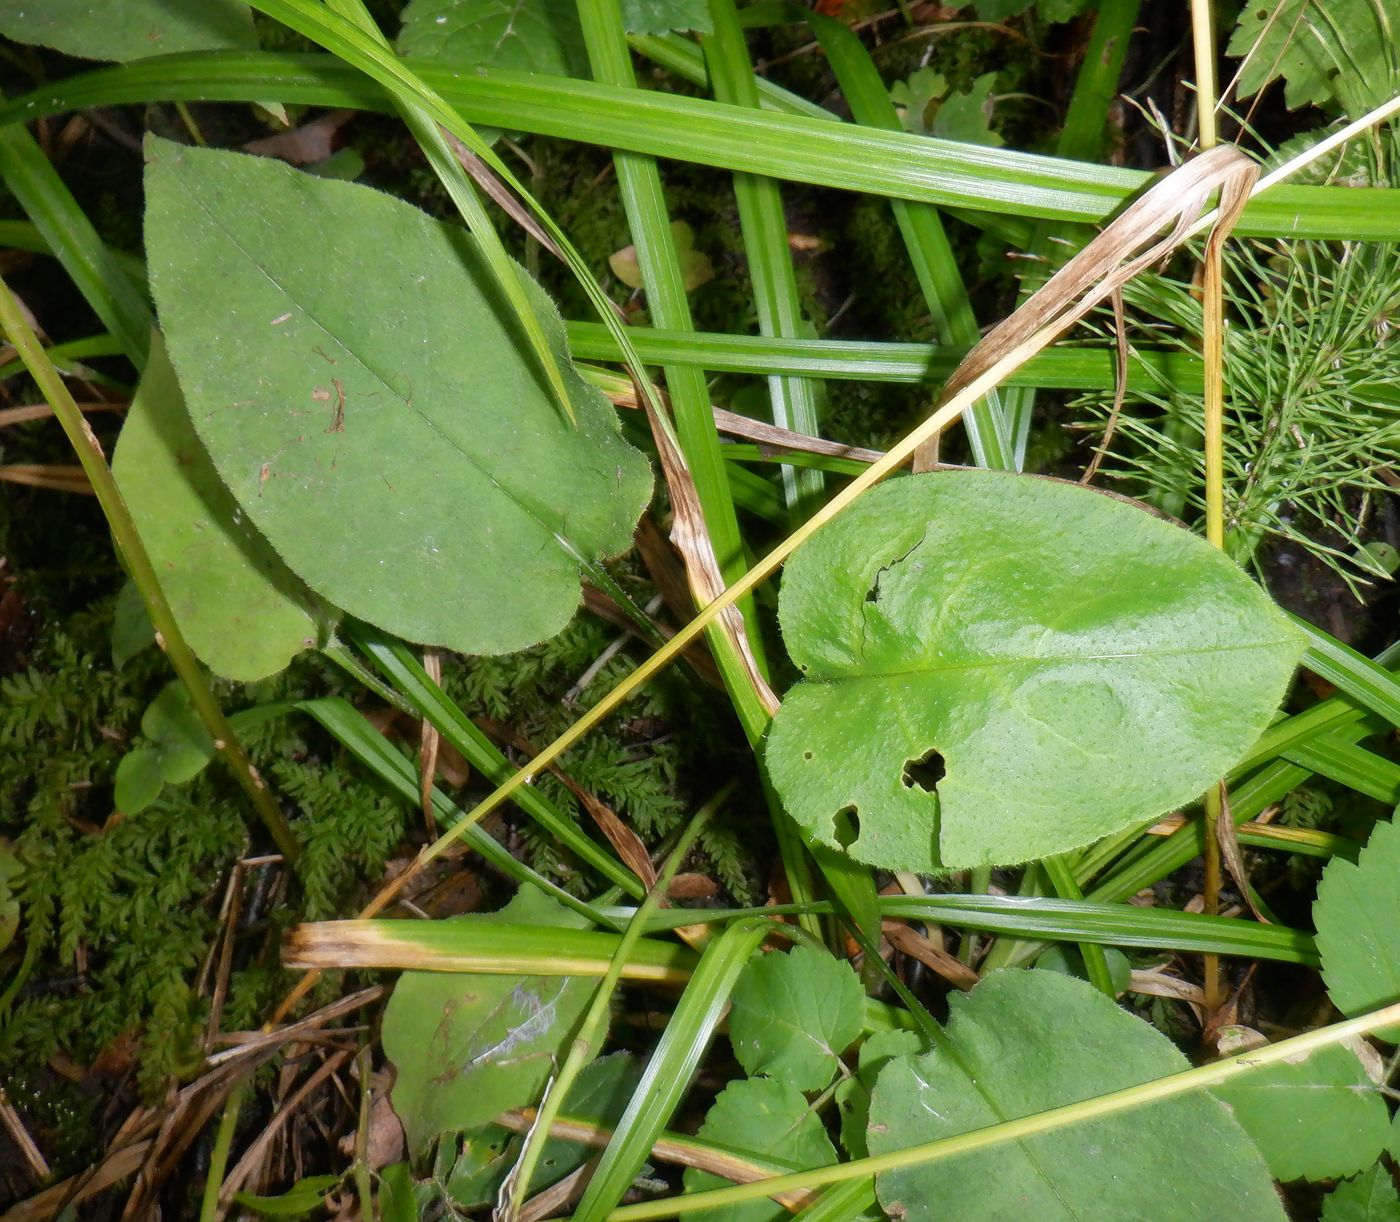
x,y
873,594
806,755
925,772
847,826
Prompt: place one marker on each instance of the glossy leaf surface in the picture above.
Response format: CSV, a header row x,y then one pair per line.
x,y
990,659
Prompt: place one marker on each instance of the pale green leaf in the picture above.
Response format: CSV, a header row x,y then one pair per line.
x,y
129,29
794,1014
241,610
1337,51
1023,1042
1370,1197
367,398
1357,914
466,1047
180,748
765,1119
522,35
1317,1119
990,659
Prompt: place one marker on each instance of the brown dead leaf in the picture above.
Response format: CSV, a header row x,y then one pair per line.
x,y
304,145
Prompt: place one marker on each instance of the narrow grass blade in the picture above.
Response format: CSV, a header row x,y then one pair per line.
x,y
1344,762
793,147
668,1073
763,226
100,276
349,727
1367,683
401,667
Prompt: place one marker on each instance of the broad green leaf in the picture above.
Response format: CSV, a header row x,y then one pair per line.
x,y
1370,1197
1357,914
991,658
366,398
467,1047
663,16
241,610
1023,1042
853,1093
1326,51
1317,1119
180,748
131,626
523,35
129,29
794,1014
763,1118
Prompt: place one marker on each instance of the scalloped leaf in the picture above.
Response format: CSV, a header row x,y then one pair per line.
x,y
1023,1042
794,1014
1369,1197
365,395
1357,914
989,659
542,36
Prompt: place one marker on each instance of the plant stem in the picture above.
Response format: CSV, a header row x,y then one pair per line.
x,y
218,1157
138,563
1212,355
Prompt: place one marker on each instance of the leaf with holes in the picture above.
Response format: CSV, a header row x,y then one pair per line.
x,y
991,660
1024,1042
241,610
794,1014
1357,914
129,29
467,1047
541,36
367,398
1341,51
768,1120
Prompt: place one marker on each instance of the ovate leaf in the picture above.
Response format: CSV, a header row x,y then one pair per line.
x,y
541,36
1327,51
1370,1197
367,398
467,1047
1023,1042
129,29
766,1119
241,610
990,659
794,1014
853,1094
131,626
179,749
1320,1118
1357,915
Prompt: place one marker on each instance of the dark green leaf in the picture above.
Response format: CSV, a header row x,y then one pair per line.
x,y
131,626
366,396
129,29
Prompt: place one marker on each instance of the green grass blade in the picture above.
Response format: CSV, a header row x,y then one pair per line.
x,y
489,947
1339,760
930,252
100,276
794,147
1367,683
668,1073
763,226
349,727
868,360
853,1199
398,664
